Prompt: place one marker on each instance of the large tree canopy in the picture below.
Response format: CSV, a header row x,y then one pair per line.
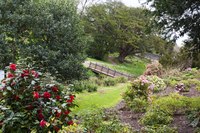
x,y
180,16
47,31
115,27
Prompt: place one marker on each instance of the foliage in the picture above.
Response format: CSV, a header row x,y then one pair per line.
x,y
155,68
115,27
75,128
99,121
80,86
180,17
136,96
28,103
194,117
157,84
108,81
159,129
47,31
155,116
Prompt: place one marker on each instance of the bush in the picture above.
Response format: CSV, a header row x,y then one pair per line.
x,y
47,31
154,68
157,84
156,116
159,129
99,121
80,86
109,81
136,96
121,79
30,104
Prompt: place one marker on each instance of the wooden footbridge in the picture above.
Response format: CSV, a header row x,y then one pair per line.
x,y
98,68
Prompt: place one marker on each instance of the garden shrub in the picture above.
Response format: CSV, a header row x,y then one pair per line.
x,y
159,129
108,81
29,104
157,84
155,68
121,79
99,121
136,96
84,85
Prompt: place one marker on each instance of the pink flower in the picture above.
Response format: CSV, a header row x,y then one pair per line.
x,y
36,95
46,95
43,123
35,74
12,67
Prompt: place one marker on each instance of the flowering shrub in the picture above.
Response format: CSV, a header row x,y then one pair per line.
x,y
155,68
156,83
29,104
137,95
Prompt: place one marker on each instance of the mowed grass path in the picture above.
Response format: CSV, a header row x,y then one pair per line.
x,y
105,97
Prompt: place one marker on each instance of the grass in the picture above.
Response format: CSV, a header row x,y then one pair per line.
x,y
105,97
134,66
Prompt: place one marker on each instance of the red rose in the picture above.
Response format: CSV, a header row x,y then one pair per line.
x,y
43,123
71,99
57,97
56,128
46,95
10,75
40,116
70,122
58,114
55,89
36,95
66,112
16,97
13,67
25,73
35,74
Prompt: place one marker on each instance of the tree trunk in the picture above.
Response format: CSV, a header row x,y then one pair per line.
x,y
122,56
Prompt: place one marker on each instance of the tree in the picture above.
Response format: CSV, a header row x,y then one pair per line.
x,y
115,28
47,31
180,16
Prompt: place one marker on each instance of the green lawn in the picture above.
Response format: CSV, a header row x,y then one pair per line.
x,y
105,97
134,66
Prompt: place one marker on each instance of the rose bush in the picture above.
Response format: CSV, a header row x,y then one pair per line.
x,y
29,104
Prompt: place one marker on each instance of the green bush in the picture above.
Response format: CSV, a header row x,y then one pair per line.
x,y
157,84
108,81
159,129
156,116
136,96
99,121
84,85
121,79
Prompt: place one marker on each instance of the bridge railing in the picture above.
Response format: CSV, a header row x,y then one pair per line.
x,y
107,71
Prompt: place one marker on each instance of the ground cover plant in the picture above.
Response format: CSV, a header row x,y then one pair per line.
x,y
30,102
